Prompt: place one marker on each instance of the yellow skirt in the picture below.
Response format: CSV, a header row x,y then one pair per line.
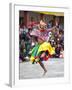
x,y
43,47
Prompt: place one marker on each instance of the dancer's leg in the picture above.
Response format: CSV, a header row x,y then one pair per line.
x,y
43,67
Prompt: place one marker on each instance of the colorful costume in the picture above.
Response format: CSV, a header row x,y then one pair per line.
x,y
40,48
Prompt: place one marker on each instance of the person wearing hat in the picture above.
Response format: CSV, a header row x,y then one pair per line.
x,y
42,50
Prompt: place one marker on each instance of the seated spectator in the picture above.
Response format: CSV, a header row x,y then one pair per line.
x,y
61,53
57,51
21,53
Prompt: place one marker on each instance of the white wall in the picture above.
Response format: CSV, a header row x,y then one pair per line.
x,y
4,42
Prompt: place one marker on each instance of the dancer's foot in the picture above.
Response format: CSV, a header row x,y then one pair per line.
x,y
44,72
